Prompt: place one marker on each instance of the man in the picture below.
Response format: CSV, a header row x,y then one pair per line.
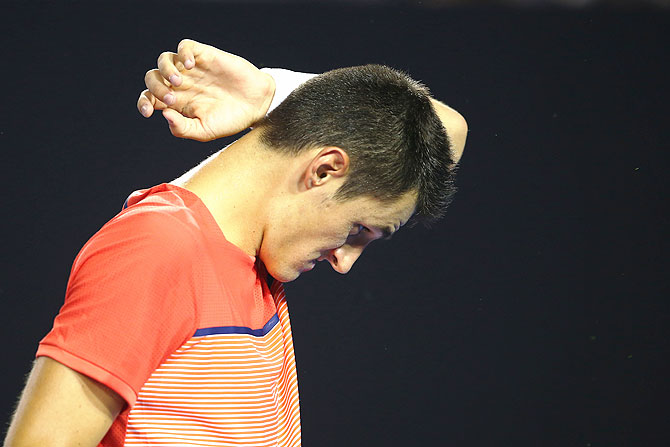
x,y
175,328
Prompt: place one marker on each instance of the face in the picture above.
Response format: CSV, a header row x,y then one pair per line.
x,y
333,231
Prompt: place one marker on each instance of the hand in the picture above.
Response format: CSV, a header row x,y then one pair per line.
x,y
206,93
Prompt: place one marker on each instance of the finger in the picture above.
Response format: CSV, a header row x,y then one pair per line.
x,y
157,86
183,127
169,69
147,103
186,54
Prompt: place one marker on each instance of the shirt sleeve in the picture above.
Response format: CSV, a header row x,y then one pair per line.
x,y
129,303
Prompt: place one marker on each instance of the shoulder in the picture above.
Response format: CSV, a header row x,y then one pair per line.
x,y
158,222
143,241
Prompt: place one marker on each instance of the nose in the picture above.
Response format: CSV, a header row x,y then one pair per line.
x,y
344,257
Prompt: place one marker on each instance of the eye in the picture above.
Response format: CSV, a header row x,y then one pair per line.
x,y
357,229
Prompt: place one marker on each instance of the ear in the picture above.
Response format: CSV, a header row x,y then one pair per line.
x,y
328,164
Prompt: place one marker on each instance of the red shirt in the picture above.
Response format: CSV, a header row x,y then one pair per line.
x,y
167,313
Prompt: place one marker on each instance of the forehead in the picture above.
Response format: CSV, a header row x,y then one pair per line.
x,y
383,214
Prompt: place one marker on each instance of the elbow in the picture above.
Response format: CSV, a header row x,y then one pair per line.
x,y
458,134
455,125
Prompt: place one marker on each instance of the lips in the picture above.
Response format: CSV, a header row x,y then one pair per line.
x,y
310,266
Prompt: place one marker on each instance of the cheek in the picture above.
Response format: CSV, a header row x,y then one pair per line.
x,y
330,240
299,242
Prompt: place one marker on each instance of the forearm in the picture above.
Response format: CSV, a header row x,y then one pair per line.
x,y
285,81
454,123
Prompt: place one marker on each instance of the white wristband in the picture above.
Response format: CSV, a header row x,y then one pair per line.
x,y
285,82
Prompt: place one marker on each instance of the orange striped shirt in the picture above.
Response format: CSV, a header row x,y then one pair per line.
x,y
182,324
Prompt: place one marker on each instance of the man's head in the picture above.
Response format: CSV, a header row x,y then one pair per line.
x,y
385,123
313,226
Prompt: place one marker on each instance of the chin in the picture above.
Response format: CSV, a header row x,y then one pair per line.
x,y
283,275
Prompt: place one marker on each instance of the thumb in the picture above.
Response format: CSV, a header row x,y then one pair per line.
x,y
183,127
178,123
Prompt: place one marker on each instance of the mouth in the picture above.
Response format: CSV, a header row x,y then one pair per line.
x,y
309,266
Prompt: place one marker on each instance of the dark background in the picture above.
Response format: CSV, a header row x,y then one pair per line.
x,y
535,313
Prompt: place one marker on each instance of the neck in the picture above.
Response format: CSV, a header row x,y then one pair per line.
x,y
236,184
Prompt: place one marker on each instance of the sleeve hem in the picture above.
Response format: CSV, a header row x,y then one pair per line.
x,y
90,370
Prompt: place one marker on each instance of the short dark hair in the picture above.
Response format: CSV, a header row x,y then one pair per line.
x,y
385,122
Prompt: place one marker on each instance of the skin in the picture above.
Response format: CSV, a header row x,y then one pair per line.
x,y
60,407
255,194
206,93
277,207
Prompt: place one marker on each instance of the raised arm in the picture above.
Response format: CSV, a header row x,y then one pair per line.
x,y
206,93
60,407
